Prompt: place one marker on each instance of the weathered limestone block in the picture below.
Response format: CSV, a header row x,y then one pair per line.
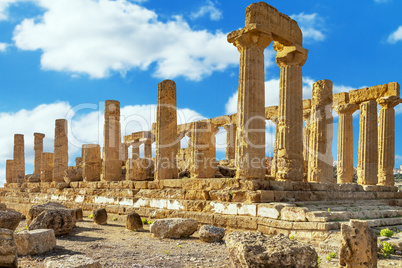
x,y
135,150
60,156
91,162
294,214
35,210
111,165
46,172
210,233
38,148
72,174
9,171
30,178
35,241
367,167
147,147
290,126
78,214
100,216
61,220
272,210
166,132
373,93
250,149
138,169
358,245
74,261
202,147
134,222
345,142
320,152
173,228
19,159
8,249
247,249
386,140
9,219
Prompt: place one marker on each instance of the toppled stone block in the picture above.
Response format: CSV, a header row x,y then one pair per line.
x,y
247,249
35,241
35,210
210,233
78,214
134,222
62,221
32,178
9,219
173,227
8,249
74,261
100,216
358,245
72,174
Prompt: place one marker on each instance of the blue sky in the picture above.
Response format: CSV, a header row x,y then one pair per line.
x,y
64,58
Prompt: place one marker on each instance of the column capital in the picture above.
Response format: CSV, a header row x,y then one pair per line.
x,y
247,38
39,135
306,115
347,108
290,55
389,102
229,127
275,120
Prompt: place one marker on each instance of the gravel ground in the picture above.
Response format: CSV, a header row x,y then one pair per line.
x,y
113,246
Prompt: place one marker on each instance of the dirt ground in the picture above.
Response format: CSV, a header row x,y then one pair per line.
x,y
113,246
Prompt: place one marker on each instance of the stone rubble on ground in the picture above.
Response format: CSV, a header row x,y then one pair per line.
x,y
35,241
210,233
173,228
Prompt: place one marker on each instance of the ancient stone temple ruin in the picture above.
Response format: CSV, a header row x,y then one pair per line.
x,y
295,193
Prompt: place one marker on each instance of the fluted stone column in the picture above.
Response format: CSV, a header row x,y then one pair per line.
x,y
123,151
250,151
9,171
320,162
290,127
135,150
386,140
60,156
306,134
38,148
46,172
274,167
202,154
166,132
91,162
345,142
147,147
111,165
367,168
230,141
19,159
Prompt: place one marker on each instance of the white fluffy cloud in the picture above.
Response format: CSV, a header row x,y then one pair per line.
x,y
4,4
312,26
85,126
208,9
3,47
395,36
102,37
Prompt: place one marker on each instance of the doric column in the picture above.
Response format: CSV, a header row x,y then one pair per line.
x,y
230,141
19,159
306,134
9,171
345,142
135,150
274,167
38,148
60,156
147,147
123,151
386,140
46,172
250,151
111,165
290,127
320,162
367,168
200,146
91,162
166,132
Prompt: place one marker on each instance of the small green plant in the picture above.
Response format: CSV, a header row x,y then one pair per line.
x,y
299,205
386,232
167,252
329,210
144,221
231,193
185,236
150,222
114,219
279,217
179,246
26,227
387,249
331,255
318,261
292,237
90,216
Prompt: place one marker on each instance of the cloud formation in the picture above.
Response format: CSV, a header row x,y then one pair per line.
x,y
395,36
102,37
312,26
208,9
3,47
